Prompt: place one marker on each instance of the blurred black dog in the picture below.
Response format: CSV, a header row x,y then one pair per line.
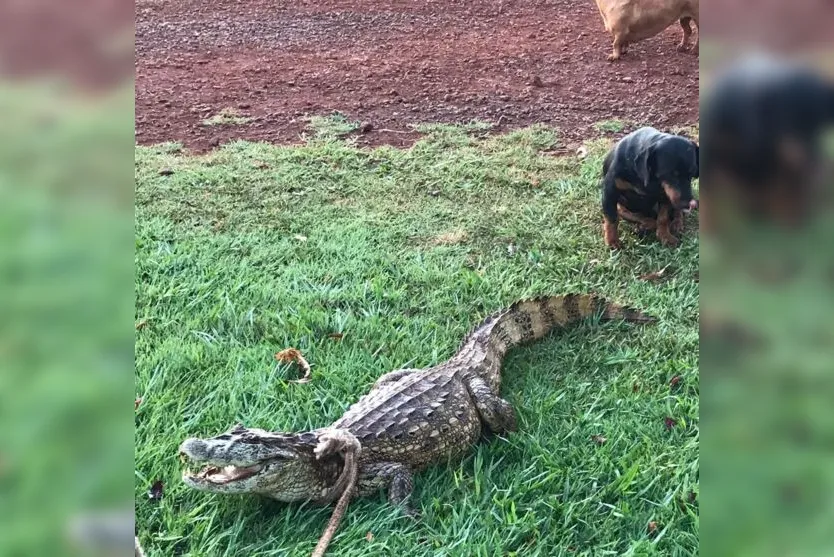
x,y
761,125
647,179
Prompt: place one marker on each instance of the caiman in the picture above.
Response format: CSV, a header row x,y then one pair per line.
x,y
410,419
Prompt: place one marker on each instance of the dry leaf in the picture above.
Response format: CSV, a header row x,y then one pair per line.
x,y
670,422
582,152
369,536
156,490
652,527
136,403
336,336
294,355
450,238
300,238
675,380
655,276
141,324
599,439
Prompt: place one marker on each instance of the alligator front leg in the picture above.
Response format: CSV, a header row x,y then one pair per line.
x,y
396,477
496,412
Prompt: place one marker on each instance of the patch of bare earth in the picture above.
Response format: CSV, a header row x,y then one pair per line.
x,y
393,64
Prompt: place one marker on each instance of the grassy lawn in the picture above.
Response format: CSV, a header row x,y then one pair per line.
x,y
255,248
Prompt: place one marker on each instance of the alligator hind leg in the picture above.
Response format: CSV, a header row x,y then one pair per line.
x,y
392,377
396,477
495,412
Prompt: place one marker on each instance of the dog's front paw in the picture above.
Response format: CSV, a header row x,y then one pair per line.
x,y
676,226
668,240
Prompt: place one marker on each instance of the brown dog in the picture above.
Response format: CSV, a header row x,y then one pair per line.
x,y
630,21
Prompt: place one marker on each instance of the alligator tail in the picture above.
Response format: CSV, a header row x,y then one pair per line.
x,y
531,319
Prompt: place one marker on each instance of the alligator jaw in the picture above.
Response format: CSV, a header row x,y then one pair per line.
x,y
216,474
220,476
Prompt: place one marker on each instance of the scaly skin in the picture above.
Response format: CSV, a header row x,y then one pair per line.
x,y
410,419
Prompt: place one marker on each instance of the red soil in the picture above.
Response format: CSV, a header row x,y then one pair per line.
x,y
396,63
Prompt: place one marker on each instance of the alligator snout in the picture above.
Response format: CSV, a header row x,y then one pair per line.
x,y
196,449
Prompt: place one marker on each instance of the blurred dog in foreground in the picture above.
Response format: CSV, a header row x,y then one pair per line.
x,y
630,21
647,179
761,127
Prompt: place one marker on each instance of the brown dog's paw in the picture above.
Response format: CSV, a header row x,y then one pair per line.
x,y
676,226
669,241
613,57
609,234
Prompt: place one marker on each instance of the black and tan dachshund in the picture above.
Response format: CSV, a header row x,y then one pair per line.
x,y
647,179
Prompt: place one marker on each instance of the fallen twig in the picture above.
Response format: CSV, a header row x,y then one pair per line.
x,y
655,276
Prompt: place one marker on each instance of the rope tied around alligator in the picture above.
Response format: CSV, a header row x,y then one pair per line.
x,y
330,442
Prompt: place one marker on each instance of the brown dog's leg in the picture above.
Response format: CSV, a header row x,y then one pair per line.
x,y
677,223
646,223
663,232
617,48
687,32
609,233
695,48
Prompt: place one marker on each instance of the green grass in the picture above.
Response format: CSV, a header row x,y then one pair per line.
x,y
227,117
254,248
610,126
332,126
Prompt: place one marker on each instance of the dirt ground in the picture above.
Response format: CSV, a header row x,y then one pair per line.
x,y
395,63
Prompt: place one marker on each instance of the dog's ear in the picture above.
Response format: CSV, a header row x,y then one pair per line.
x,y
645,165
697,168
